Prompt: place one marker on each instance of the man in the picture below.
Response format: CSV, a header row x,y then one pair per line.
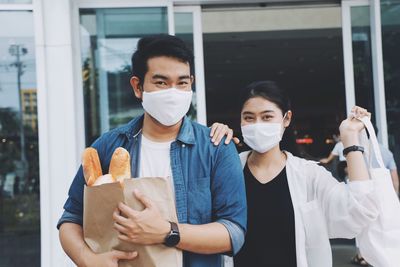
x,y
207,180
337,151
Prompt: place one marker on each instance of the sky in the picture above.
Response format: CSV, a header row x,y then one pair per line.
x,y
20,32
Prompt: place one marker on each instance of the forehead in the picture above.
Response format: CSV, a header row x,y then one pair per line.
x,y
167,66
259,104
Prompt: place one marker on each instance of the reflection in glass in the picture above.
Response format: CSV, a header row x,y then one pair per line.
x,y
108,39
304,58
184,30
391,62
362,58
19,161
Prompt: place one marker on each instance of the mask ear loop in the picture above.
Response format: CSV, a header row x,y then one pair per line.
x,y
283,121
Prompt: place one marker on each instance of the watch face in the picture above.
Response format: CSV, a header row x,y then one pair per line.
x,y
173,239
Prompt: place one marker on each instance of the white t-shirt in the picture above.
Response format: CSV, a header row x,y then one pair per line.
x,y
338,151
155,160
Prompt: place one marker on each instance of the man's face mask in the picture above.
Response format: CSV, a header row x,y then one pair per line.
x,y
262,137
167,106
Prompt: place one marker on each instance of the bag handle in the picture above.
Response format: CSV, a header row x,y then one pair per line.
x,y
373,140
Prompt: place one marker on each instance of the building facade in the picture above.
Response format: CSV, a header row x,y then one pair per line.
x,y
64,80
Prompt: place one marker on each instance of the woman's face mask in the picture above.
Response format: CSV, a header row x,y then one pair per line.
x,y
263,136
262,124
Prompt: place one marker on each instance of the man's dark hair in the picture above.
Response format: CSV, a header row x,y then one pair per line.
x,y
157,46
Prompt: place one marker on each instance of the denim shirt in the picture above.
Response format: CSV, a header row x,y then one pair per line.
x,y
208,181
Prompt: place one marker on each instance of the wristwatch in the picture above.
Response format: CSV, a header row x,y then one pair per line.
x,y
173,237
349,149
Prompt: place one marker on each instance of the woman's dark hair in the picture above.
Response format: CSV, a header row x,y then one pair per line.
x,y
270,91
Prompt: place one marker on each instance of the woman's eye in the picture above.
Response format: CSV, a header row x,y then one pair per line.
x,y
266,118
248,118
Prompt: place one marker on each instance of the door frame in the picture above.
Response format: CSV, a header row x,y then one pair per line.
x,y
377,62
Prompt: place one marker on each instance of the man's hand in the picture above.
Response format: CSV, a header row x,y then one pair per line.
x,y
145,227
109,259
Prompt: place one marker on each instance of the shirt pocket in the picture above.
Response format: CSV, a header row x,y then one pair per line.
x,y
199,200
318,250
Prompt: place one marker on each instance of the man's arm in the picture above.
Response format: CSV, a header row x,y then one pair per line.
x,y
225,234
328,159
148,227
71,237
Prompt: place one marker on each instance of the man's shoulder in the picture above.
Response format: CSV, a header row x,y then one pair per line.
x,y
200,128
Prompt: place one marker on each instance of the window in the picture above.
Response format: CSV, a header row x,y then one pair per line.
x,y
108,39
19,157
391,62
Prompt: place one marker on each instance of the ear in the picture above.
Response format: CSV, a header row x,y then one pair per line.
x,y
191,79
137,88
288,119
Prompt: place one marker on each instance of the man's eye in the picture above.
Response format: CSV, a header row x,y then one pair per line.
x,y
248,118
160,83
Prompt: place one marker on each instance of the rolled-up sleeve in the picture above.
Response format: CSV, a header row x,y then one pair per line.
x,y
69,217
229,194
236,234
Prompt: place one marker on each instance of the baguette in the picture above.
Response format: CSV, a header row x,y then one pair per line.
x,y
91,165
104,179
120,165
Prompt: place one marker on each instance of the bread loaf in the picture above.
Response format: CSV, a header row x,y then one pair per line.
x,y
120,165
91,165
104,179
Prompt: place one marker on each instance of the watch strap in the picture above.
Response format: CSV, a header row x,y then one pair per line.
x,y
349,149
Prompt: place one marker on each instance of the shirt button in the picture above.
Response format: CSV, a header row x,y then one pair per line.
x,y
183,145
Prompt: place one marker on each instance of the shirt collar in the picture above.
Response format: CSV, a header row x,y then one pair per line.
x,y
133,128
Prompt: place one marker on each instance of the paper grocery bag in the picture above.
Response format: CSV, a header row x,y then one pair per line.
x,y
101,201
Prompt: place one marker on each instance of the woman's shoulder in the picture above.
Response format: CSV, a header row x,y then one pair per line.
x,y
308,166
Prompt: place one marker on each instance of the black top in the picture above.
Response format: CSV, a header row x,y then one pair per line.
x,y
270,238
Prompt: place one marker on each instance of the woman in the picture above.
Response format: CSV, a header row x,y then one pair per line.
x,y
295,205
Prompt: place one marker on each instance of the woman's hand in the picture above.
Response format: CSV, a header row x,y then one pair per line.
x,y
351,127
219,130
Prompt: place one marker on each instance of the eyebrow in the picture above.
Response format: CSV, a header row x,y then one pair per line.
x,y
262,112
159,76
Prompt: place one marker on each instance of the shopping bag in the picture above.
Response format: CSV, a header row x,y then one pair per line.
x,y
379,242
101,201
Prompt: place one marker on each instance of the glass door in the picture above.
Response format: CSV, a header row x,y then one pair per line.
x,y
358,54
108,37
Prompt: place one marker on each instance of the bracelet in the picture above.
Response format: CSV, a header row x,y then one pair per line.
x,y
349,149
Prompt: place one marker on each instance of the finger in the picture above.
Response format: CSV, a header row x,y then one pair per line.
x,y
213,129
123,255
142,198
236,140
229,137
121,229
120,219
220,133
127,211
125,238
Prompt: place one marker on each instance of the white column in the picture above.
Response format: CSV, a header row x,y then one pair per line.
x,y
348,56
58,133
377,68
